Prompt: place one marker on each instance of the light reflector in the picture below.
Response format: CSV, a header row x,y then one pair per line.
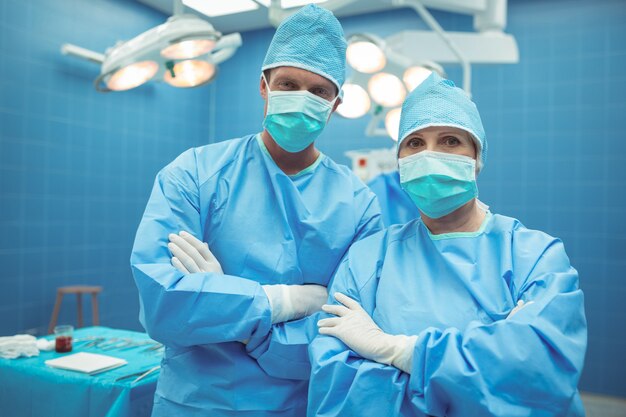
x,y
365,57
356,102
392,122
190,73
188,49
414,76
132,75
386,89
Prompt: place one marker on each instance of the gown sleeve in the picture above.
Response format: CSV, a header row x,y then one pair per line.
x,y
188,309
368,213
526,365
284,352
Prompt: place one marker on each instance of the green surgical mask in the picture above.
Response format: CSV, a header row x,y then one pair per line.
x,y
295,119
438,183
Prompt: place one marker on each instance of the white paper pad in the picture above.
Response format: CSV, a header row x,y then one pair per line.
x,y
89,363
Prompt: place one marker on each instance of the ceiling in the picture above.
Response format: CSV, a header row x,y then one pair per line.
x,y
257,19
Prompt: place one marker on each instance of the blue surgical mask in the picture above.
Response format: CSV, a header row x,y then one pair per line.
x,y
295,119
438,183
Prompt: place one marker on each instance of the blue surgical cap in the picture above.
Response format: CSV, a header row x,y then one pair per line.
x,y
311,39
438,102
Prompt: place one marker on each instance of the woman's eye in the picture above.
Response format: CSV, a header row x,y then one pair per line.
x,y
452,141
414,143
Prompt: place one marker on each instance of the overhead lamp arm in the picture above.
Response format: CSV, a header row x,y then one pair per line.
x,y
432,23
86,54
178,7
226,47
373,127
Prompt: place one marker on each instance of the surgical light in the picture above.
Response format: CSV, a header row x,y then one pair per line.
x,y
188,49
355,103
388,69
414,76
132,75
365,56
163,53
191,73
386,89
392,122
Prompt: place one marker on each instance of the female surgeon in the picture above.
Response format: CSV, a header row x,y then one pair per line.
x,y
459,313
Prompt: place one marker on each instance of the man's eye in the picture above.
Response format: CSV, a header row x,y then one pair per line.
x,y
321,92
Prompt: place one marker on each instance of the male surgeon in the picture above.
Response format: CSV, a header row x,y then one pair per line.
x,y
277,216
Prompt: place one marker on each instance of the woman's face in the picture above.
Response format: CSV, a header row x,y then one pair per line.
x,y
439,139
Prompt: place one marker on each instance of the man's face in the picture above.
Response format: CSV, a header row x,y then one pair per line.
x,y
296,79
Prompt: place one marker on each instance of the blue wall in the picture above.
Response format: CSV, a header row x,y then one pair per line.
x,y
76,166
557,157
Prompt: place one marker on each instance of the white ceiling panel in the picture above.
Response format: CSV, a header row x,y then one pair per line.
x,y
257,19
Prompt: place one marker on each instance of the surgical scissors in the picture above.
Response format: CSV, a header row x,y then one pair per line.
x,y
140,375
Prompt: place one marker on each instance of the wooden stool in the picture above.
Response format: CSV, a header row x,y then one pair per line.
x,y
79,290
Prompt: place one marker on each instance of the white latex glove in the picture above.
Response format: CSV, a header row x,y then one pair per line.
x,y
291,302
190,255
354,327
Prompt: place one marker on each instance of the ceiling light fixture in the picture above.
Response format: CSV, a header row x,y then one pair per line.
x,y
221,8
184,51
388,69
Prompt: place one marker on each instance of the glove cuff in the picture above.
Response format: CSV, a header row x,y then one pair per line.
x,y
280,302
403,352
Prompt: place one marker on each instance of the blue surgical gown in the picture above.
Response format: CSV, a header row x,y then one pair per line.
x,y
264,227
395,204
455,292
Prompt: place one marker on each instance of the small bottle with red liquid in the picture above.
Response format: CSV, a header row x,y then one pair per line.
x,y
63,338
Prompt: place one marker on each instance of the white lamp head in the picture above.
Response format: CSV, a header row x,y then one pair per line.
x,y
188,49
392,122
366,54
132,75
183,51
386,89
356,102
416,74
190,73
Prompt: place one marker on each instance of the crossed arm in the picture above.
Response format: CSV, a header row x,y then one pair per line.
x,y
287,302
526,364
201,307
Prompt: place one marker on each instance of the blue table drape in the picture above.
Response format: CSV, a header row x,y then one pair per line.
x,y
29,388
